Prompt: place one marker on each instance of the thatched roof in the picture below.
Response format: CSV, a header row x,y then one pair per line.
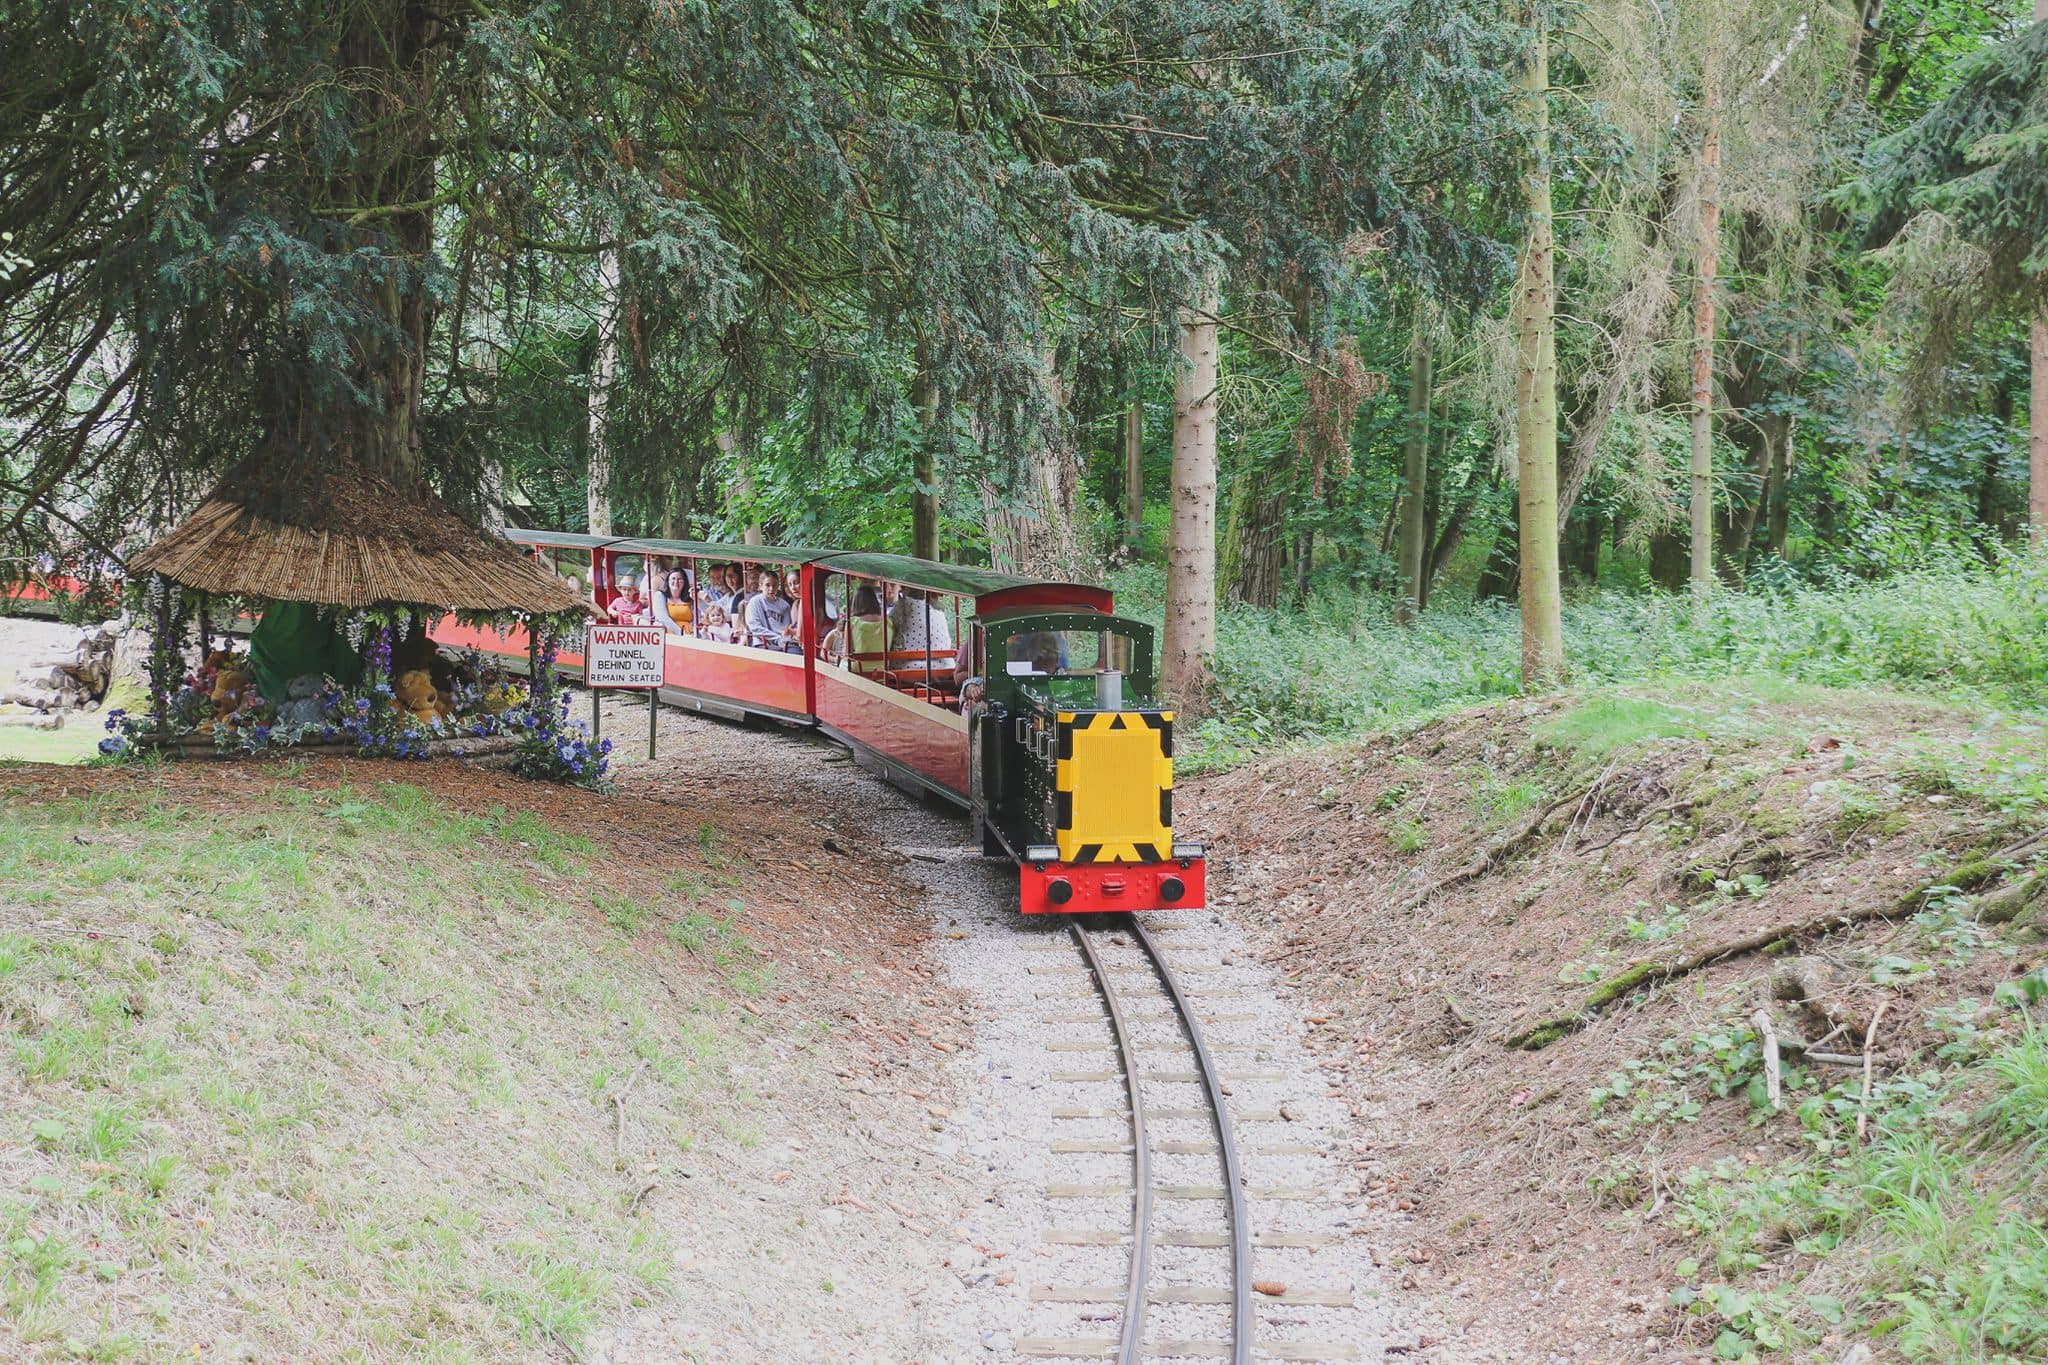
x,y
344,537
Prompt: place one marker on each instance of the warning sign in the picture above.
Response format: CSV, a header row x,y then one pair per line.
x,y
624,656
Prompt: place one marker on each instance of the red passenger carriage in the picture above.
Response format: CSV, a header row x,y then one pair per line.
x,y
890,690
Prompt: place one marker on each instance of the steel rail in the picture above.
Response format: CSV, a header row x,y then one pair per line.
x,y
1131,1340
1242,1318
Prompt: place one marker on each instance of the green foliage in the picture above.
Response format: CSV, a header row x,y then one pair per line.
x,y
1941,1198
1340,668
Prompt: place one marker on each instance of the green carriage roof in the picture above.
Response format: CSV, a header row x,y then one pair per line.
x,y
961,579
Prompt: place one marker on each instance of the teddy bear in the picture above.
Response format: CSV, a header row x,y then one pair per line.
x,y
415,694
303,705
233,684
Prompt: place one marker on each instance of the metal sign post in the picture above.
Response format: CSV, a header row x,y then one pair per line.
x,y
653,708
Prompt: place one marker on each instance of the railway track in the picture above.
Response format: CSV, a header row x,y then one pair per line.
x,y
1189,1200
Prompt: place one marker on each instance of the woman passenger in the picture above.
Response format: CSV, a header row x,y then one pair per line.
x,y
861,633
670,602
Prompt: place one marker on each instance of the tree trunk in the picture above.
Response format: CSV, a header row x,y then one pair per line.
x,y
604,367
1536,380
492,501
1668,560
1134,472
1051,543
1447,542
924,492
1584,534
1190,635
742,488
2037,416
1415,477
1780,509
391,48
1738,522
1707,261
1256,553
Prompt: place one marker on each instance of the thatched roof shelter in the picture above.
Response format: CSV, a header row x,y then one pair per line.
x,y
340,536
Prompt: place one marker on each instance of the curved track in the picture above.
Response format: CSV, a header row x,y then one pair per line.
x,y
1131,1338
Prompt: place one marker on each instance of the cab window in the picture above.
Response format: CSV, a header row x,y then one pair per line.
x,y
1066,653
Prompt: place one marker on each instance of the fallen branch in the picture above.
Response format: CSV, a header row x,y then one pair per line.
x,y
1650,817
1774,1071
1500,852
1869,1039
619,1135
1651,972
1969,876
1587,809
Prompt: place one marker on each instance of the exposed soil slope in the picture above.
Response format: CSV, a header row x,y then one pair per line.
x,y
322,1060
1540,936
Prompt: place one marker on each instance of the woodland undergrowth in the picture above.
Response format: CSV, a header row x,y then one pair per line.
x,y
1335,667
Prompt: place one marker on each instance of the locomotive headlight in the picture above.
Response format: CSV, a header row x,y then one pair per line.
x,y
1059,891
1171,889
1041,853
1188,850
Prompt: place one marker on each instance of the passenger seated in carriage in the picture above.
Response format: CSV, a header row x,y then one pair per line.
x,y
669,602
771,623
860,634
918,625
716,625
628,608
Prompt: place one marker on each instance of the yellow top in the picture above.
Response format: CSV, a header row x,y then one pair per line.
x,y
866,637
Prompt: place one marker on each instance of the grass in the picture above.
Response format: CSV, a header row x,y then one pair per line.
x,y
1930,1231
319,1075
1599,726
1341,666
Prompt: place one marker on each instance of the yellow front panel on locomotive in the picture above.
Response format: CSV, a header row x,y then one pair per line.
x,y
1113,785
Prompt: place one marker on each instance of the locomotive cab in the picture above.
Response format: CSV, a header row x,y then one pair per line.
x,y
1071,764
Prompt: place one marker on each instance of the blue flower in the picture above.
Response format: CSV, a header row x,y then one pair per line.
x,y
113,745
362,706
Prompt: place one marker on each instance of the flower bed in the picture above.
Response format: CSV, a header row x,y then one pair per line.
x,y
479,710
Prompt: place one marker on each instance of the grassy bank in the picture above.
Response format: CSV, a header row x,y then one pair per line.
x,y
338,1066
1344,667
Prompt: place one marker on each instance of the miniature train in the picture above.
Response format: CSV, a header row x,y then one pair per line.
x,y
1028,703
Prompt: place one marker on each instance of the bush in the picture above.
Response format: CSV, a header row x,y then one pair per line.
x,y
1339,666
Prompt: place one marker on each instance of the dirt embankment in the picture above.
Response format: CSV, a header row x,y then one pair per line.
x,y
1596,972
320,1059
